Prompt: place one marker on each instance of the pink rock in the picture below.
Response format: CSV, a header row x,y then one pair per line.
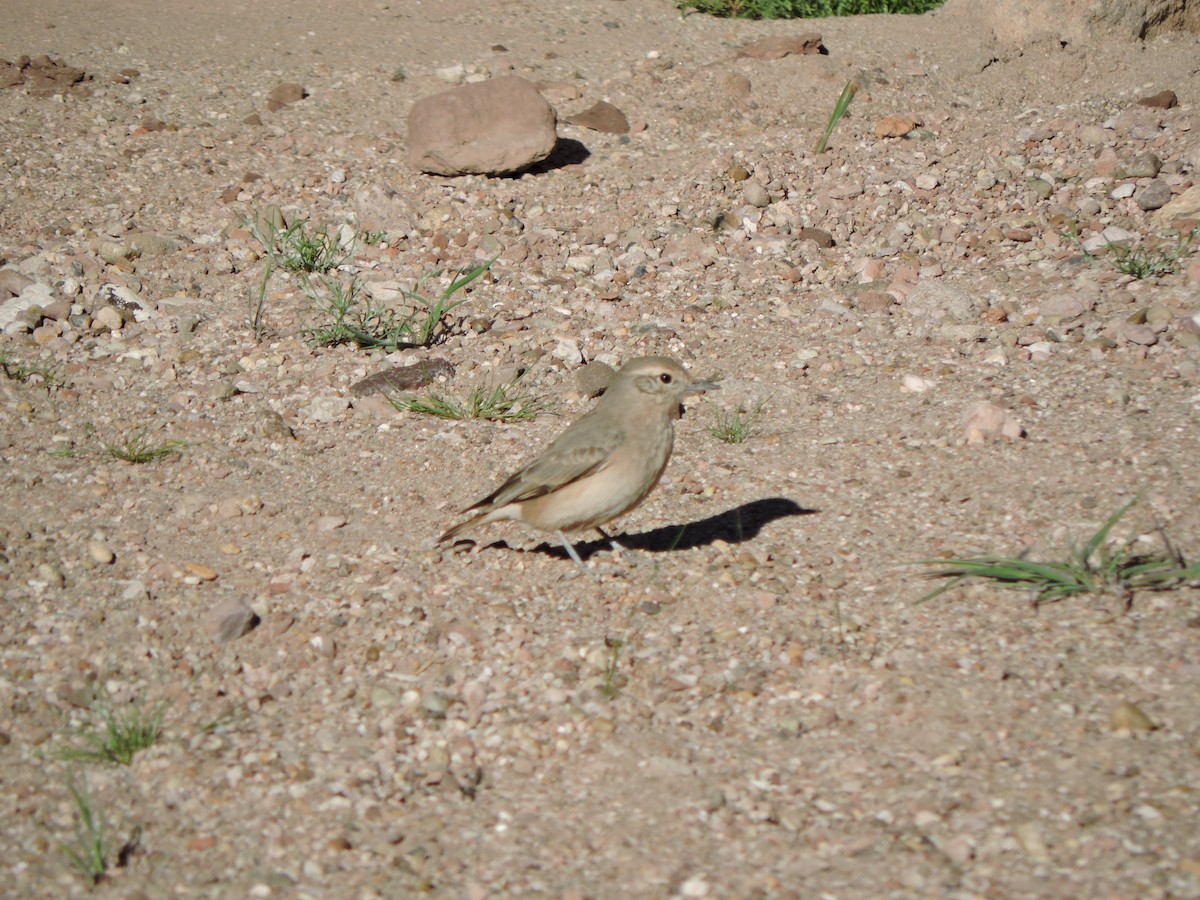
x,y
559,90
13,282
284,95
1139,334
490,128
895,126
1063,306
873,301
986,421
603,116
229,620
872,270
779,46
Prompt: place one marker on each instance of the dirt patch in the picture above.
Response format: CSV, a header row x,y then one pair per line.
x,y
749,698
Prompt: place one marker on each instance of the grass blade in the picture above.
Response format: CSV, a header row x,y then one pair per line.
x,y
839,110
1120,571
1102,535
464,277
89,853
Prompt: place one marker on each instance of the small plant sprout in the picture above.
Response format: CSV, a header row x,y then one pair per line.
x,y
256,302
737,425
431,314
90,850
839,110
803,9
506,403
135,446
348,315
344,316
612,682
124,732
29,373
1093,569
1145,261
296,249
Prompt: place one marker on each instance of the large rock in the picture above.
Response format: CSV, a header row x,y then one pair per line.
x,y
490,128
1146,18
1022,22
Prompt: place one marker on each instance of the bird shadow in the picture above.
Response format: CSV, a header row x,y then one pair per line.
x,y
734,526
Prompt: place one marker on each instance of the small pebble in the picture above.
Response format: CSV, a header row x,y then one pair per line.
x,y
229,620
1128,716
99,552
199,571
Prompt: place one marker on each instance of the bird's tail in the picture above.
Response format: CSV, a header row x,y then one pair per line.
x,y
461,527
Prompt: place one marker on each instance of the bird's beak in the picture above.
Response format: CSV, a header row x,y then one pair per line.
x,y
699,387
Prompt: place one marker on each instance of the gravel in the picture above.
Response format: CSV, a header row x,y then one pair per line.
x,y
751,698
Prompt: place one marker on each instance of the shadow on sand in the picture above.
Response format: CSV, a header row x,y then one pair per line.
x,y
732,526
566,152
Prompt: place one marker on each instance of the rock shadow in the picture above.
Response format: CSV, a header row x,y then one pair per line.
x,y
566,152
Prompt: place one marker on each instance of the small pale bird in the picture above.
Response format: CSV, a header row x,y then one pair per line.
x,y
604,464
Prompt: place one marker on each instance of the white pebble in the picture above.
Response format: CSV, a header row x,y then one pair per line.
x,y
100,552
915,384
452,74
1149,813
568,351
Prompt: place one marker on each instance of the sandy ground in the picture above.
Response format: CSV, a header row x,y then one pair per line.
x,y
750,701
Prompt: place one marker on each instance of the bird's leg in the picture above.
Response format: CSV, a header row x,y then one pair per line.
x,y
618,549
571,553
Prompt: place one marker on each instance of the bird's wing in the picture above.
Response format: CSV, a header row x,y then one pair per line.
x,y
566,460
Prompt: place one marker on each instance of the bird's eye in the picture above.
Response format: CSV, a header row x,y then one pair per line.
x,y
665,378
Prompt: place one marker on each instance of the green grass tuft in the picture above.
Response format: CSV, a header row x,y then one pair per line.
x,y
135,446
498,403
15,370
738,425
803,9
296,249
1143,261
1151,262
124,732
431,314
347,316
1092,569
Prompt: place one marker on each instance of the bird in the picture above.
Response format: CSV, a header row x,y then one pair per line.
x,y
604,464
